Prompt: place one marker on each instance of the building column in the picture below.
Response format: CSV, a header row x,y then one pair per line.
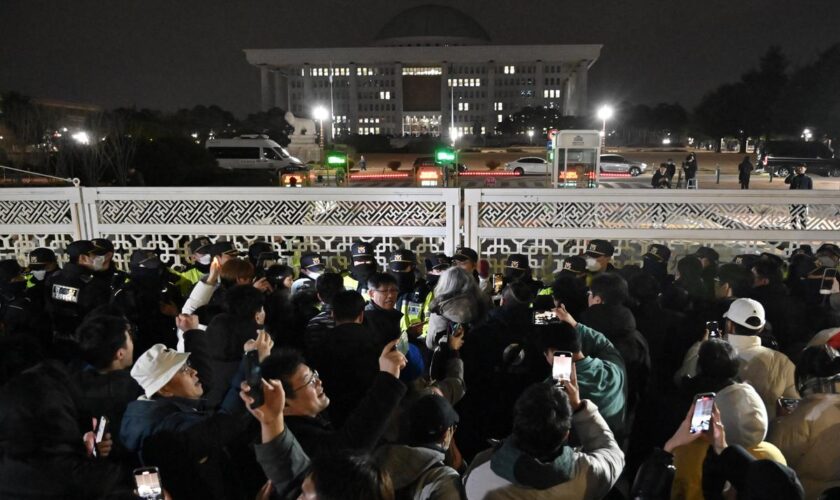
x,y
581,74
444,100
281,91
569,102
265,89
397,114
353,111
308,96
490,116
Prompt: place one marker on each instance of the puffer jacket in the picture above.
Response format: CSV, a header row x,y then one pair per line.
x,y
809,440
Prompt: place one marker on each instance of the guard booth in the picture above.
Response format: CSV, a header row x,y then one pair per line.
x,y
576,159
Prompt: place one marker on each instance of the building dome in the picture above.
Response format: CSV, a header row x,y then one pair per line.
x,y
430,25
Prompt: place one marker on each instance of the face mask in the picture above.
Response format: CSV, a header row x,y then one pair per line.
x,y
827,261
205,259
313,275
405,281
432,279
363,271
592,264
39,275
98,263
512,275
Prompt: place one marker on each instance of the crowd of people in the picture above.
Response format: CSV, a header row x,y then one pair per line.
x,y
240,376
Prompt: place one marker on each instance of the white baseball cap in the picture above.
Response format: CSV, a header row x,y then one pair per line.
x,y
748,313
156,367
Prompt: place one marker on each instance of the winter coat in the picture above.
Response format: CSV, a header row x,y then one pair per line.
x,y
770,372
799,181
420,472
744,169
617,323
587,472
465,309
284,463
41,451
809,439
745,420
384,323
225,339
348,364
751,478
363,427
601,377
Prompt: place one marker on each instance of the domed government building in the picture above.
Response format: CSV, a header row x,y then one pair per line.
x,y
429,69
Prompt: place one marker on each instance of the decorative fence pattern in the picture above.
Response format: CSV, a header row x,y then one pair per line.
x,y
547,225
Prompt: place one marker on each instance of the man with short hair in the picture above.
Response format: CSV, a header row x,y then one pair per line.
x,y
306,400
417,469
327,286
381,315
536,461
798,180
107,348
784,312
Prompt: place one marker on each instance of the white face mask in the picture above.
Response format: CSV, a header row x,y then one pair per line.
x,y
592,264
39,275
205,259
98,263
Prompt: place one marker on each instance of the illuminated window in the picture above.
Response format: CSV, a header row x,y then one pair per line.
x,y
510,70
385,95
500,118
497,106
421,71
463,106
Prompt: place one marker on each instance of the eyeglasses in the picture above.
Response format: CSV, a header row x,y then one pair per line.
x,y
387,291
185,368
312,380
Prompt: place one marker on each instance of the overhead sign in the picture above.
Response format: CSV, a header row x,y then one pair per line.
x,y
571,139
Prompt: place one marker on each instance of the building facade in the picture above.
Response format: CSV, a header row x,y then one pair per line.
x,y
424,76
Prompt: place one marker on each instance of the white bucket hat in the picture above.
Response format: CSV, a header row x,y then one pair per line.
x,y
156,367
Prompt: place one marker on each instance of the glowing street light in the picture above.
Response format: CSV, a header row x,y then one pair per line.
x,y
530,137
806,134
320,113
605,112
81,137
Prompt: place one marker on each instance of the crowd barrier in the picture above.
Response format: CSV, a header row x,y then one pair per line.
x,y
544,224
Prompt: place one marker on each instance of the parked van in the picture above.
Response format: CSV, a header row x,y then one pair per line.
x,y
253,152
780,158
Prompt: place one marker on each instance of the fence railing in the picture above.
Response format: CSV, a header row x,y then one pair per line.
x,y
547,225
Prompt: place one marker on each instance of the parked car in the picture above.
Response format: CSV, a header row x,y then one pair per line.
x,y
613,164
779,158
528,165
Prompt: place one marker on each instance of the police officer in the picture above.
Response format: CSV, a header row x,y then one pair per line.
x,y
74,291
413,293
435,266
200,260
599,257
17,313
113,276
363,265
149,301
573,267
467,259
311,266
42,264
655,263
262,255
518,268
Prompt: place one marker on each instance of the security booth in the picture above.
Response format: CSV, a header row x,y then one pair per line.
x,y
332,171
575,159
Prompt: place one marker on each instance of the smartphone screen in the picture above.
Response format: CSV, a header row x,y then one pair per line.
x,y
253,374
100,429
148,483
544,317
561,368
714,329
827,283
702,417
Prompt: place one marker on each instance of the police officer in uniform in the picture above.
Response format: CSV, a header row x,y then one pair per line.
x,y
311,266
467,259
17,313
363,265
42,264
262,255
518,268
200,260
574,268
111,275
655,263
74,291
413,293
598,257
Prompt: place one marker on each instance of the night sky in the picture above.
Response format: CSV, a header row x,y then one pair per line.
x,y
173,54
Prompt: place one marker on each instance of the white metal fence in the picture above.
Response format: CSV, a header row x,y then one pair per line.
x,y
547,225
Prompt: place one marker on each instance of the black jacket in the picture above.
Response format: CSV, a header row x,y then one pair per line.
x,y
799,181
384,323
347,362
225,338
73,292
363,427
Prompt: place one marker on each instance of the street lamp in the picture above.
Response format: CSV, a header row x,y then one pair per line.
x,y
320,113
605,112
806,134
530,137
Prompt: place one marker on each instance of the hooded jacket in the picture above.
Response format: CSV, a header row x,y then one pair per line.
x,y
587,472
809,439
420,471
743,416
